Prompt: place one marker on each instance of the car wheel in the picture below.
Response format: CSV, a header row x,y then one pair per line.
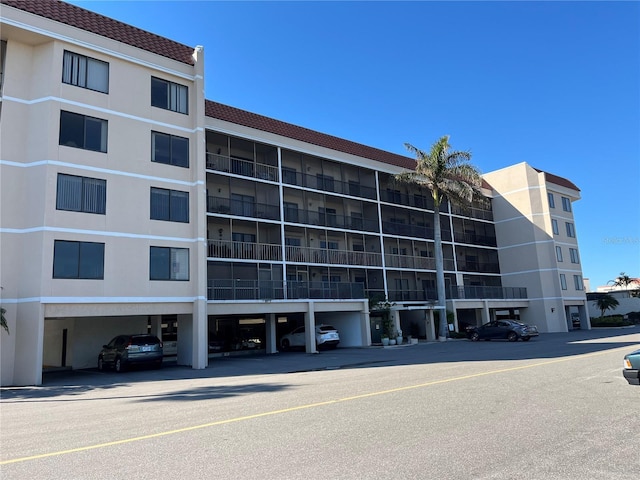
x,y
285,344
100,364
118,365
512,337
526,339
475,336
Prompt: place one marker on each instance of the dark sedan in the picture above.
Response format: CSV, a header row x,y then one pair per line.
x,y
503,329
631,370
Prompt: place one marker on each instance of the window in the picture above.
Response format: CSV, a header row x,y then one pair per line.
x,y
85,72
325,182
169,205
566,204
243,205
289,175
167,263
571,231
563,281
81,194
78,260
577,281
552,200
554,226
80,131
169,149
574,255
559,254
169,95
290,211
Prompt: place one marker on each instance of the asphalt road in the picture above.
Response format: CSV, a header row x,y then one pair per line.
x,y
556,407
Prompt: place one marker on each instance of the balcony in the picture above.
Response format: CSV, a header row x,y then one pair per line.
x,y
417,231
480,267
482,292
244,250
474,239
275,290
328,184
415,263
473,212
311,217
331,256
242,208
460,293
223,163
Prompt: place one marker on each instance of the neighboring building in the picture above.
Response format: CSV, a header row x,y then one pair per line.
x,y
132,204
538,245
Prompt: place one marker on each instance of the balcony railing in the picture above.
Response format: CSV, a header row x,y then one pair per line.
x,y
328,184
243,250
242,208
223,163
472,212
460,293
474,239
418,201
331,256
481,267
417,263
480,292
418,231
275,290
311,217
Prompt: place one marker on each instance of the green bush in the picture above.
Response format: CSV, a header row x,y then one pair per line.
x,y
610,321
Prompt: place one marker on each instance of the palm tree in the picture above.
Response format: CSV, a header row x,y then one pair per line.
x,y
447,175
606,302
623,280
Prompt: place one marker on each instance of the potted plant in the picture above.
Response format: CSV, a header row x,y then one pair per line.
x,y
399,337
385,339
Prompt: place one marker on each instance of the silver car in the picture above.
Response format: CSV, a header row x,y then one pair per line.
x,y
125,350
326,336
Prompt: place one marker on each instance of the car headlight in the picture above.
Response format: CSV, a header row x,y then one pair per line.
x,y
627,363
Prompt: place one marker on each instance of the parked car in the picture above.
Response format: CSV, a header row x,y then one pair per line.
x,y
631,370
511,330
326,336
126,350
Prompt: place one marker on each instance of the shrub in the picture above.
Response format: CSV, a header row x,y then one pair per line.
x,y
610,321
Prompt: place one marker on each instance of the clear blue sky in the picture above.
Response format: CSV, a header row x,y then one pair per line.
x,y
554,84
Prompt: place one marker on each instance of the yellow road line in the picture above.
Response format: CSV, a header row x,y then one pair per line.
x,y
292,409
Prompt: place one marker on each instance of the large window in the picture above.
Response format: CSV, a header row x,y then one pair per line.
x,y
78,260
574,255
563,281
169,149
169,95
81,194
577,282
566,204
80,131
169,205
166,263
554,226
552,201
85,72
559,254
571,231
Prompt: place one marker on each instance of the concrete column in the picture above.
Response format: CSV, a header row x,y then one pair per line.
x,y
485,313
156,325
365,327
310,329
29,339
270,333
429,325
199,333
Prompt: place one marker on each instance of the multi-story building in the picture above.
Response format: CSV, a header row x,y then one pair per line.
x,y
130,203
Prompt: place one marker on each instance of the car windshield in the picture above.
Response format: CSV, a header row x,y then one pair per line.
x,y
144,340
326,328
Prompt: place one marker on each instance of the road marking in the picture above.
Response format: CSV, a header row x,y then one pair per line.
x,y
293,409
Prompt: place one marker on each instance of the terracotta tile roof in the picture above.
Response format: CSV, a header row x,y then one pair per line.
x,y
555,179
270,125
107,27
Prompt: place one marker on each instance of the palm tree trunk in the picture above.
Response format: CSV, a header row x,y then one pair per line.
x,y
442,302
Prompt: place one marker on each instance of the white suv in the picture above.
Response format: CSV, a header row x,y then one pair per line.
x,y
326,336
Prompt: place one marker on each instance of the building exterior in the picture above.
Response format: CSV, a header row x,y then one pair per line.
x,y
130,203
